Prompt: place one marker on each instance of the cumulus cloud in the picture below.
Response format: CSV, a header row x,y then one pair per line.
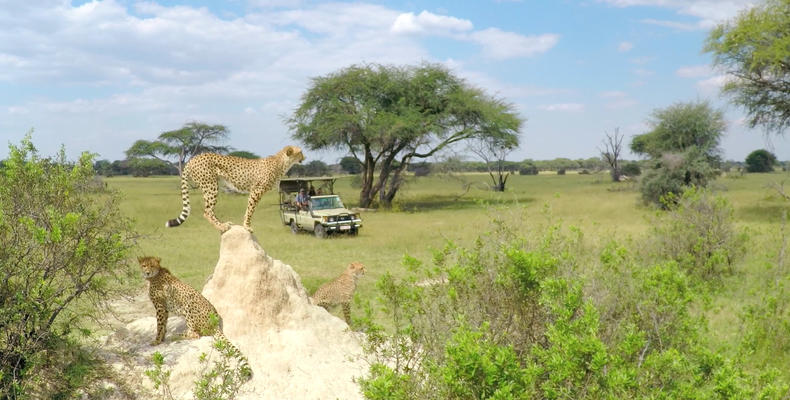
x,y
496,44
429,23
713,84
625,46
707,13
502,45
569,107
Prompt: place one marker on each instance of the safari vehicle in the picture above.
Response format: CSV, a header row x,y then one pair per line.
x,y
325,214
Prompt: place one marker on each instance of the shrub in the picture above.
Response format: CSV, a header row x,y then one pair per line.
x,y
529,169
699,233
63,248
509,319
561,171
760,161
632,169
672,174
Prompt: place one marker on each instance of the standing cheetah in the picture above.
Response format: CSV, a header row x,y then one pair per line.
x,y
340,290
256,176
169,294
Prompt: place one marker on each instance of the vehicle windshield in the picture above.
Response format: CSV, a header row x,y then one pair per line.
x,y
325,203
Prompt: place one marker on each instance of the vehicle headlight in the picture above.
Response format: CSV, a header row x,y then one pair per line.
x,y
331,219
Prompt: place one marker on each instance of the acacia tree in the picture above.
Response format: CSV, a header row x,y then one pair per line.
x,y
182,144
386,116
754,49
683,148
612,148
493,150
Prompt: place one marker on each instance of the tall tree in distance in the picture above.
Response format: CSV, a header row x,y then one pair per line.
x,y
612,149
683,148
182,144
493,150
754,49
386,116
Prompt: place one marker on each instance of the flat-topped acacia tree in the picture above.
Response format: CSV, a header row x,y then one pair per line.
x,y
386,116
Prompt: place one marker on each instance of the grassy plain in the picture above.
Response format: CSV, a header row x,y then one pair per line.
x,y
431,210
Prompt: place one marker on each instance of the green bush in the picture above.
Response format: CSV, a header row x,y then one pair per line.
x,y
528,169
760,161
698,232
672,174
510,319
632,169
63,248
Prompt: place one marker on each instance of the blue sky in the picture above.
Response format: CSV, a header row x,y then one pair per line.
x,y
98,75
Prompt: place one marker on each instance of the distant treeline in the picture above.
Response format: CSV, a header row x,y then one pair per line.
x,y
348,165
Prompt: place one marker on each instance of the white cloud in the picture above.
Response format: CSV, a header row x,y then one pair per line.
x,y
708,13
641,72
429,23
713,84
681,26
501,45
625,46
693,71
570,107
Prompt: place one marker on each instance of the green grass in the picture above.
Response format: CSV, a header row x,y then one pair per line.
x,y
432,210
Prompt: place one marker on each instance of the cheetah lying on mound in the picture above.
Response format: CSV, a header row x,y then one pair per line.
x,y
256,176
168,293
340,290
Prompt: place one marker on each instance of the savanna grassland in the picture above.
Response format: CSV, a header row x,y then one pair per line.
x,y
432,210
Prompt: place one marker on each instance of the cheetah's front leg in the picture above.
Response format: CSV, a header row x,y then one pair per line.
x,y
252,202
347,312
161,325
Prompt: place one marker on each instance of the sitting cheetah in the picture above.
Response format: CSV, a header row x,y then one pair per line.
x,y
340,290
168,293
256,176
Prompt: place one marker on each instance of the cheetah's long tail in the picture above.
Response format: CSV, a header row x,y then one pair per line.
x,y
184,200
244,365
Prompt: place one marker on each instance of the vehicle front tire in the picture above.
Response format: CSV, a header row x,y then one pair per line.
x,y
294,228
319,231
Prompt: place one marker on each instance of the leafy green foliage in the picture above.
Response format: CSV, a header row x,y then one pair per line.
x,y
754,49
160,376
182,144
386,116
699,233
223,376
683,147
350,165
760,161
511,319
632,169
63,248
244,154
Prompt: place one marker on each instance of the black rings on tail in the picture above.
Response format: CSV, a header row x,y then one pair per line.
x,y
185,202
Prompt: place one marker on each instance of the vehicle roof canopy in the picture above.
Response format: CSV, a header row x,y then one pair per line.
x,y
290,185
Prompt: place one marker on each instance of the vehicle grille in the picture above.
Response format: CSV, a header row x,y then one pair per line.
x,y
344,218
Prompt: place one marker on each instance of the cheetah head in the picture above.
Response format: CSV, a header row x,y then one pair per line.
x,y
294,154
150,266
356,269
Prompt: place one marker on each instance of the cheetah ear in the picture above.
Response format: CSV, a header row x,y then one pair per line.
x,y
158,260
139,259
289,151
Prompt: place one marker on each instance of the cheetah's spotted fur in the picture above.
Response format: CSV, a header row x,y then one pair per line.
x,y
340,290
257,176
169,294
